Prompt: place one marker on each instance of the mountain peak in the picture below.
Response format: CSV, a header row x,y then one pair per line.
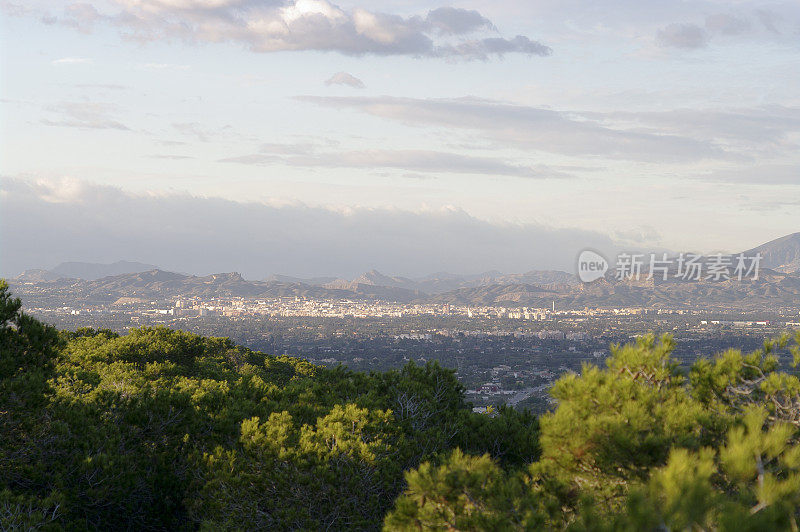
x,y
781,254
225,277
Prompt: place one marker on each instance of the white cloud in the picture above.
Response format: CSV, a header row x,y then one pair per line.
x,y
173,157
195,129
343,78
412,160
84,115
102,224
82,16
743,23
306,25
72,61
570,133
762,174
752,132
64,190
163,66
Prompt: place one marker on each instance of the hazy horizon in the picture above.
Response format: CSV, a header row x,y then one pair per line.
x,y
563,264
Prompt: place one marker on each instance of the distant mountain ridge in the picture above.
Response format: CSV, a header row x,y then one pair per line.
x,y
772,289
781,254
88,271
778,285
442,282
160,285
290,279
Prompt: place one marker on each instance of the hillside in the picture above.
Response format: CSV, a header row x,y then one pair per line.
x,y
778,285
772,289
781,254
159,285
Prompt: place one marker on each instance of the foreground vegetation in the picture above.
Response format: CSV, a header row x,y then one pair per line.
x,y
162,429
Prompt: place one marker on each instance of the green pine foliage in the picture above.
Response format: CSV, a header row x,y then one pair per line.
x,y
166,430
638,445
162,429
465,493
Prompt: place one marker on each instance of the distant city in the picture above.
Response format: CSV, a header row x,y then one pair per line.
x,y
508,336
502,355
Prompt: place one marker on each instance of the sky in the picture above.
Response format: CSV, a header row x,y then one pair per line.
x,y
305,137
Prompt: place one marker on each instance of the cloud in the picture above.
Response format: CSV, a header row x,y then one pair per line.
x,y
163,66
531,127
273,26
725,24
15,10
637,236
84,115
766,174
105,86
454,21
172,157
753,132
343,78
682,35
193,129
411,160
72,61
82,17
484,48
208,235
760,24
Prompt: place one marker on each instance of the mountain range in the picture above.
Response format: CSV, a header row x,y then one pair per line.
x,y
778,285
781,254
87,271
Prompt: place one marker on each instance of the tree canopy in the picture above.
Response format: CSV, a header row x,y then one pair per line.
x,y
161,429
638,445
